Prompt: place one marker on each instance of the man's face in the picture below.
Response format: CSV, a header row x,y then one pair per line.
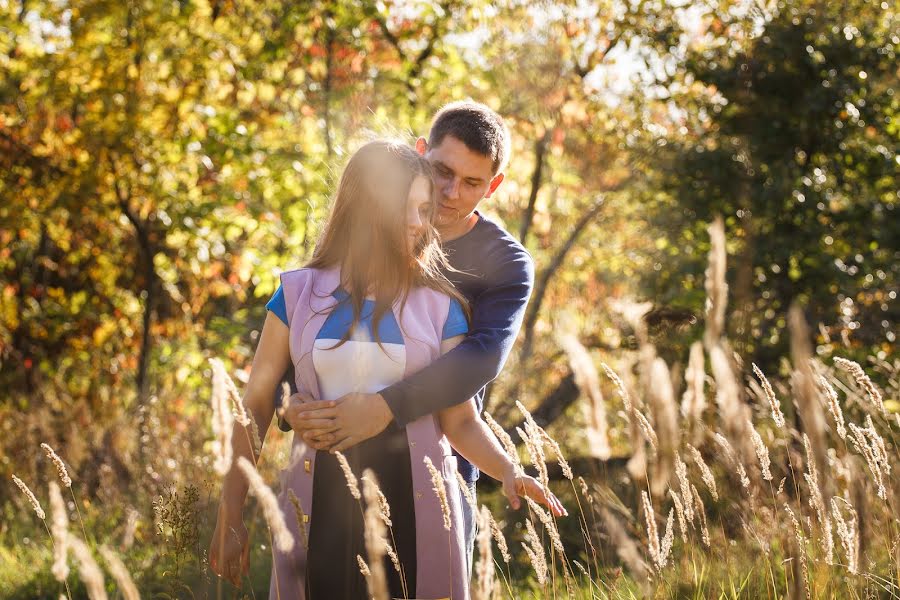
x,y
462,178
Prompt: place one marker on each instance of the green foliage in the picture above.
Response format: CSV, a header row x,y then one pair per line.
x,y
162,163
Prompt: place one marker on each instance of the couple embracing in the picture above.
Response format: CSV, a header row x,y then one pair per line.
x,y
409,307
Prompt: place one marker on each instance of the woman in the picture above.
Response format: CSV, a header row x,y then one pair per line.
x,y
371,307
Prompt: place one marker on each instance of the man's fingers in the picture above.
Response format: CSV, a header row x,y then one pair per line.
x,y
321,435
305,416
343,444
313,405
316,443
312,426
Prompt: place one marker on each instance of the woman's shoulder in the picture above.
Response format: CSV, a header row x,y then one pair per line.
x,y
304,275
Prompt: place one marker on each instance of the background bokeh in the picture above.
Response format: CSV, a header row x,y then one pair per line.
x,y
161,162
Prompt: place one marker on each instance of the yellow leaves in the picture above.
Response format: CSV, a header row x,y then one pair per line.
x,y
265,92
246,95
296,76
255,43
102,333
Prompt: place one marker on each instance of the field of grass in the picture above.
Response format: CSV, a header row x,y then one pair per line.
x,y
740,488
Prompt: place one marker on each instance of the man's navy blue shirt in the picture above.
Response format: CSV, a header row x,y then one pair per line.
x,y
496,275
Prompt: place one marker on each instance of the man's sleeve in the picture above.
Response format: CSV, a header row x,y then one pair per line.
x,y
456,376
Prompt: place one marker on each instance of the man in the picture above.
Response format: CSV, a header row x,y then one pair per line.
x,y
468,146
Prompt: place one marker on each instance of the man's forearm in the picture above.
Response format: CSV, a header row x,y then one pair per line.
x,y
452,379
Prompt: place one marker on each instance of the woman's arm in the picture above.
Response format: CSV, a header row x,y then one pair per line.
x,y
269,363
471,437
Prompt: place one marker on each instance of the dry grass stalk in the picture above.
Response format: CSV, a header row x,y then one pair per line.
x,y
665,416
801,575
131,522
637,464
878,443
582,485
535,454
848,532
299,514
658,549
59,464
437,482
581,568
239,411
685,485
283,539
504,438
871,446
733,413
693,401
375,534
59,530
395,560
538,438
716,287
88,570
817,502
385,509
535,551
863,381
549,524
120,573
834,407
679,511
499,539
646,429
588,381
762,452
774,405
484,568
665,546
626,547
31,498
466,492
560,458
620,388
705,472
222,418
807,396
722,441
701,514
650,519
363,567
352,483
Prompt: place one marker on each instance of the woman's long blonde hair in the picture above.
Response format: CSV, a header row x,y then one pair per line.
x,y
366,235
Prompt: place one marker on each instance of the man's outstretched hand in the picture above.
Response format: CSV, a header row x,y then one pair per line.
x,y
337,424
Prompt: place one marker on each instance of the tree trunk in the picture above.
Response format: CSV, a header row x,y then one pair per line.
x,y
540,151
540,288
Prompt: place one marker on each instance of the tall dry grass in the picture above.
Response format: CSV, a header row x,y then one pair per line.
x,y
785,477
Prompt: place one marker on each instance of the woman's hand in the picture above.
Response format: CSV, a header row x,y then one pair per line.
x,y
229,550
517,484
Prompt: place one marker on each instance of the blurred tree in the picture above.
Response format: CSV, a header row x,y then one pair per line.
x,y
786,124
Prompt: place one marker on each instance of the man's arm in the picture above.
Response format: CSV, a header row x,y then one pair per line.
x,y
458,375
455,377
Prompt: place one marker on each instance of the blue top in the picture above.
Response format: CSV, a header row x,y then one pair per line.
x,y
338,321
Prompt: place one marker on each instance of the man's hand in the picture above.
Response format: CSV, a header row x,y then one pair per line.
x,y
337,424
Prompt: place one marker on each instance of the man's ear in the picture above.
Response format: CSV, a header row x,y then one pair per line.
x,y
495,183
421,146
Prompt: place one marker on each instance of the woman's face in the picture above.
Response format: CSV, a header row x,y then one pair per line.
x,y
418,207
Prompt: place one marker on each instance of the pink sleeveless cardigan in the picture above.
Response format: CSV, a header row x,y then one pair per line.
x,y
441,569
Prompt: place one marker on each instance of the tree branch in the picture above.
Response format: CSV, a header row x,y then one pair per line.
x,y
540,289
540,149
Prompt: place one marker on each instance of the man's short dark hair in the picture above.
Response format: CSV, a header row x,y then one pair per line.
x,y
477,126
